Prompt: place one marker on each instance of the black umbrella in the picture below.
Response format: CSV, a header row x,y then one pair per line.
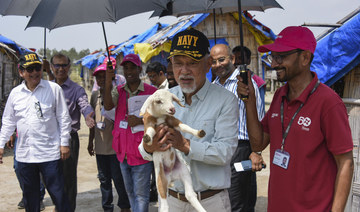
x,y
21,8
184,7
59,13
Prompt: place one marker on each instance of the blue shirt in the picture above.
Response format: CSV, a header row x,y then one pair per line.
x,y
231,85
214,110
77,102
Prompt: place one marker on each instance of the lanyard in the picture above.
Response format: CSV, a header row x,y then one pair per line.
x,y
285,134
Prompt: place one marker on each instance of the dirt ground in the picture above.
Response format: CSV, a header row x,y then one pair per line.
x,y
89,196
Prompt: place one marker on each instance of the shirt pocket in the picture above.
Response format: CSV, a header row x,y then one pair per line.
x,y
46,110
207,125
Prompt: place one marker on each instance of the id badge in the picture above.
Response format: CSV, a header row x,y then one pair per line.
x,y
123,124
100,125
281,158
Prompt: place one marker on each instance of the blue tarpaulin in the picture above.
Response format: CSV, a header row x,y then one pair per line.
x,y
10,43
338,52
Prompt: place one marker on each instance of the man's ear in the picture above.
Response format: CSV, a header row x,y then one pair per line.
x,y
21,73
306,58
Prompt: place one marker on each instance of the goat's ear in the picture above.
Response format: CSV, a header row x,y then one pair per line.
x,y
145,105
177,100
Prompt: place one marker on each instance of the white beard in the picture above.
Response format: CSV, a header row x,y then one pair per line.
x,y
188,89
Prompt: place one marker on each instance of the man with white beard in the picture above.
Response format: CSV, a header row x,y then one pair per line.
x,y
208,107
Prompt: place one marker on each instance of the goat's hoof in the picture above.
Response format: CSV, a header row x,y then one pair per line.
x,y
201,133
146,138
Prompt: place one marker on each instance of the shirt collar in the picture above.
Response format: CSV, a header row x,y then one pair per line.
x,y
200,94
164,84
140,88
41,84
305,94
232,77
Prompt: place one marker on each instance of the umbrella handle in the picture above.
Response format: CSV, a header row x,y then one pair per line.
x,y
106,43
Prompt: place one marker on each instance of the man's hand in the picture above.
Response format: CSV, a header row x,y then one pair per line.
x,y
1,155
64,152
176,140
246,90
10,143
256,161
159,142
90,149
90,122
134,121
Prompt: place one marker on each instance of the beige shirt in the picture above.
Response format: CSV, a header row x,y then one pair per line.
x,y
103,127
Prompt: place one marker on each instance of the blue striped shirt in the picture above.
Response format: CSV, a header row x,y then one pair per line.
x,y
231,85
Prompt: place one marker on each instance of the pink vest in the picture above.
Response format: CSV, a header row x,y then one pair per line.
x,y
124,141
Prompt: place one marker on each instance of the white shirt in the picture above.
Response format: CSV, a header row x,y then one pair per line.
x,y
164,85
40,132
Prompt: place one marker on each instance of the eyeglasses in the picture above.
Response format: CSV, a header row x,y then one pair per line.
x,y
30,69
60,65
280,58
38,110
220,60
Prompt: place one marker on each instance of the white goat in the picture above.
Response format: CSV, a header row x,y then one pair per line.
x,y
169,165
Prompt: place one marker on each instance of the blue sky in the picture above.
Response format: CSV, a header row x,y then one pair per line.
x,y
91,36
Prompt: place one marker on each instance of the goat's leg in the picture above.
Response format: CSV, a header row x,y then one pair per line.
x,y
148,135
161,185
185,128
189,191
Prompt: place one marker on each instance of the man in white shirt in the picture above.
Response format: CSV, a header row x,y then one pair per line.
x,y
37,109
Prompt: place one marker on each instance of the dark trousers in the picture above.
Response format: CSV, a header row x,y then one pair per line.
x,y
109,169
241,191
53,178
70,170
42,187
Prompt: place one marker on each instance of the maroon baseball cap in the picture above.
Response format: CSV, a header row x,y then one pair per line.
x,y
134,58
290,38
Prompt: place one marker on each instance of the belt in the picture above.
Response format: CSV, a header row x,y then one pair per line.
x,y
243,141
200,195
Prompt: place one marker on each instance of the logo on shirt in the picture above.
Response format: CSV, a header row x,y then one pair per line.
x,y
304,122
274,115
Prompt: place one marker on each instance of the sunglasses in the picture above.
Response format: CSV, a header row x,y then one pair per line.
x,y
30,69
38,110
60,65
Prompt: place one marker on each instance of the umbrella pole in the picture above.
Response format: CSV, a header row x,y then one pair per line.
x,y
214,25
241,32
106,43
44,43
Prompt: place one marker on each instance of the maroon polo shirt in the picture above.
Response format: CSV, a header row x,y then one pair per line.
x,y
319,130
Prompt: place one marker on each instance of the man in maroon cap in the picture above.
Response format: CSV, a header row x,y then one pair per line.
x,y
306,125
135,170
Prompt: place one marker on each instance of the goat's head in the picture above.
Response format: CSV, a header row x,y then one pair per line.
x,y
160,103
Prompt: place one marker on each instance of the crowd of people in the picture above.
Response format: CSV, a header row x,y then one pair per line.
x,y
312,172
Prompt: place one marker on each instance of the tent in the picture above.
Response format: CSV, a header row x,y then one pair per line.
x,y
338,52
